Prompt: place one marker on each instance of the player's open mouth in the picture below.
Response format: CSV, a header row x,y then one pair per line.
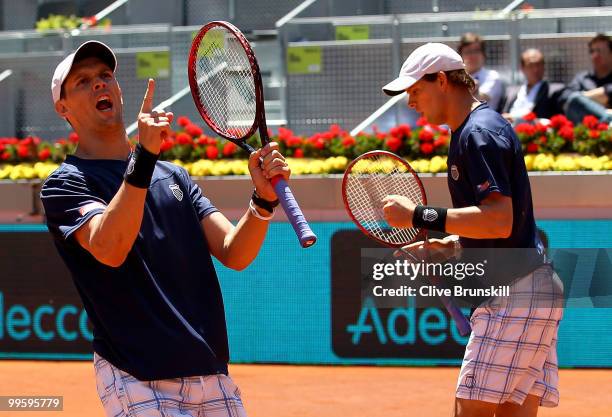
x,y
104,103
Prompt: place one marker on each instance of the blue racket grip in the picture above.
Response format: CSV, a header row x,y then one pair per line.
x,y
462,323
294,213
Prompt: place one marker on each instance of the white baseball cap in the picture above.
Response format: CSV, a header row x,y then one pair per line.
x,y
426,59
86,50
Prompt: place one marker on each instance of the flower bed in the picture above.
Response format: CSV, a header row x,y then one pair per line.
x,y
332,165
558,145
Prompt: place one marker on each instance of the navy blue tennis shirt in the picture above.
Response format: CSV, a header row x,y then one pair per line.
x,y
160,314
485,156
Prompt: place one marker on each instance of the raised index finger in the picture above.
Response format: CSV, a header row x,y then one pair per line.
x,y
147,102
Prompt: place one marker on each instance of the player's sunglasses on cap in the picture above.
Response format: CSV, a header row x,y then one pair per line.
x,y
426,59
86,50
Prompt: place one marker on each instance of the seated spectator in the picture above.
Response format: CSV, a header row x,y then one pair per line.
x,y
490,85
536,95
590,92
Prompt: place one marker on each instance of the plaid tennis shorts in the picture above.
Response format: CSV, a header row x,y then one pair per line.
x,y
122,395
512,351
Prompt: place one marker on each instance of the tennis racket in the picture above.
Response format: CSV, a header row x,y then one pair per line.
x,y
370,178
226,86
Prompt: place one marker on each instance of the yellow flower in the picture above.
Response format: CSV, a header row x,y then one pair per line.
x,y
437,164
302,166
543,162
200,168
565,163
529,162
5,171
44,169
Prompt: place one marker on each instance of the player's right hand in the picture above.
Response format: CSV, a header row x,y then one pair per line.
x,y
438,250
153,126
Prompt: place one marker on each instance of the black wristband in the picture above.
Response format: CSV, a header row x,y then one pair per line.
x,y
140,167
264,204
431,218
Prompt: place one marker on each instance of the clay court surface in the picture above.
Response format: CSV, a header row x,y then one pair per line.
x,y
300,391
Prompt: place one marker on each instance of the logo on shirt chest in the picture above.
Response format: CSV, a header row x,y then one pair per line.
x,y
176,191
454,172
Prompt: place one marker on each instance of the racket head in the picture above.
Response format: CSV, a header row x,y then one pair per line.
x,y
367,180
225,82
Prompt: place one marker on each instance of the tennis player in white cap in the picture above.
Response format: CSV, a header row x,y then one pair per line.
x,y
510,362
138,236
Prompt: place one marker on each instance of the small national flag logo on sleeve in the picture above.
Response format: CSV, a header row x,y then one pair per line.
x,y
91,206
483,187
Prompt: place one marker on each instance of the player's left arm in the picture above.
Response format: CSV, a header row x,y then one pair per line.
x,y
486,165
237,246
491,219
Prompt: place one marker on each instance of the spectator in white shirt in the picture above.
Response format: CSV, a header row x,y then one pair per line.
x,y
489,83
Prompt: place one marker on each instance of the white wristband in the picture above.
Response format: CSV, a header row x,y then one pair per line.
x,y
255,213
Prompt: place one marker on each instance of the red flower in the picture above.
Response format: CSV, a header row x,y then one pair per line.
x,y
183,121
212,152
525,129
166,145
602,126
590,121
567,133
284,134
27,141
5,156
393,143
193,130
540,128
529,116
406,129
397,132
421,121
543,139
229,148
317,141
183,139
294,142
425,135
73,137
299,153
427,148
594,133
441,141
23,151
335,130
348,141
44,154
90,21
532,147
381,136
558,121
202,141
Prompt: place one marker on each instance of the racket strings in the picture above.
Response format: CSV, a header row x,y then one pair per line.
x,y
368,183
226,86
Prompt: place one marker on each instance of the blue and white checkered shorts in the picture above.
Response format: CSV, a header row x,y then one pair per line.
x,y
122,395
512,351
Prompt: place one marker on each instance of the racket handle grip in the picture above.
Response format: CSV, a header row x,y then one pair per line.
x,y
462,323
294,213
